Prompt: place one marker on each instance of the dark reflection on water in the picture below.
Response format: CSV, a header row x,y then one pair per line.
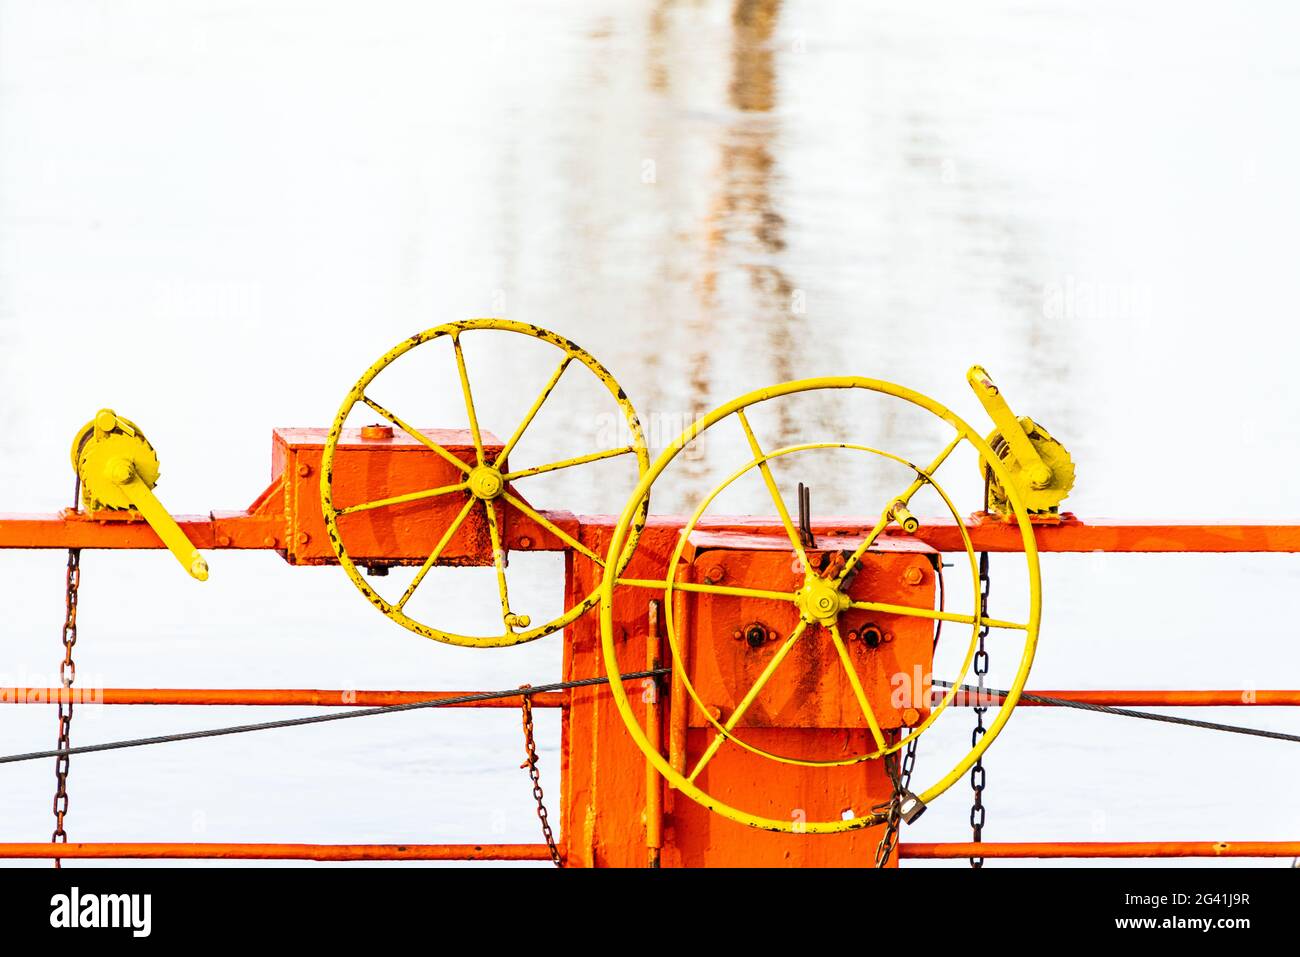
x,y
744,230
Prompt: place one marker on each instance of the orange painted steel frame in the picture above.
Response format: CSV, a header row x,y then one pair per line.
x,y
613,811
286,516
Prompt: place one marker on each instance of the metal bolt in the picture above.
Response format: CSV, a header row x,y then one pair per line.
x,y
738,634
374,432
523,542
911,717
715,575
304,470
223,541
269,541
714,711
913,575
120,471
303,538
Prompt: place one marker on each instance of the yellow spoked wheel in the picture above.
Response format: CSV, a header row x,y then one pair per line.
x,y
486,483
819,601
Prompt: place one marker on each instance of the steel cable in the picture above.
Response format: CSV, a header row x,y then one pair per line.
x,y
994,696
321,718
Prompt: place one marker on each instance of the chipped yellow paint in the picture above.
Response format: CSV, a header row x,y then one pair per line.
x,y
484,483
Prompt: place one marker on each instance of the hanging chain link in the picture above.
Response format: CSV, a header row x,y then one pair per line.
x,y
893,811
977,781
530,762
67,675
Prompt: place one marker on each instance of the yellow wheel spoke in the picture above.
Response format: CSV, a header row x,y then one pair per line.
x,y
569,463
498,560
433,555
772,489
707,589
532,412
554,529
858,691
904,499
399,499
469,398
935,615
745,702
416,434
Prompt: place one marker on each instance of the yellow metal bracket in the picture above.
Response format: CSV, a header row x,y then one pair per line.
x,y
118,469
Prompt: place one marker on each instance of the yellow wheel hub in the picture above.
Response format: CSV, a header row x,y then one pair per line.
x,y
486,483
820,601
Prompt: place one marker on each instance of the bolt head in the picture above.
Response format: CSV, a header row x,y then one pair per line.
x,y
485,482
120,471
913,575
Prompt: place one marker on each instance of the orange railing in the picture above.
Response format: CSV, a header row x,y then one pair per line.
x,y
539,852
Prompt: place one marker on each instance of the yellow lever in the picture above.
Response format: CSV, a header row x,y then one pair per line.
x,y
1036,470
118,469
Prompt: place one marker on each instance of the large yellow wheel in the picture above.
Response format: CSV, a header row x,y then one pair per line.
x,y
819,600
487,482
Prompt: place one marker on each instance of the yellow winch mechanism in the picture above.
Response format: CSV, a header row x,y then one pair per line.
x,y
1039,466
118,469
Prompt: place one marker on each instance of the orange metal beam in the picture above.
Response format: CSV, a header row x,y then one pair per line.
x,y
1067,533
1153,699
286,852
1110,849
262,528
308,697
262,696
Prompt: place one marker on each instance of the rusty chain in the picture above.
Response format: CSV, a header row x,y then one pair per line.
x,y
981,664
530,762
902,797
67,675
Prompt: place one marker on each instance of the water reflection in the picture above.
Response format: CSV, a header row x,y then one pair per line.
x,y
744,228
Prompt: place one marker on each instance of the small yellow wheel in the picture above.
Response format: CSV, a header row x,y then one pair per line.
x,y
819,600
486,483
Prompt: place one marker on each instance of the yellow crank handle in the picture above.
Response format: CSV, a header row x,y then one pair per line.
x,y
903,516
1009,427
121,472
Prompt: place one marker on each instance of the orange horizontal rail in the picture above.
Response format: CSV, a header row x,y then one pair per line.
x,y
1110,849
264,696
258,529
307,697
285,852
1228,698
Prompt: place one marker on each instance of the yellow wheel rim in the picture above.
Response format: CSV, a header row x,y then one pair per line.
x,y
483,484
622,534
